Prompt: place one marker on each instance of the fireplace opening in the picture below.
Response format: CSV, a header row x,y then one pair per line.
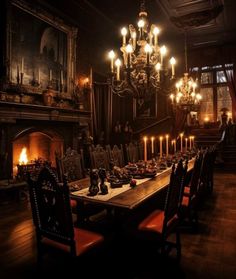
x,y
29,147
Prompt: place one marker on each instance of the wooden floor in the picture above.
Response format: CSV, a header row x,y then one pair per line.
x,y
209,253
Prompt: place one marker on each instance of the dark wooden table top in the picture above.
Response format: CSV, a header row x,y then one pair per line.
x,y
134,196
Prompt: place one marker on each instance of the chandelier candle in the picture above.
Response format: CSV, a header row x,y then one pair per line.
x,y
112,56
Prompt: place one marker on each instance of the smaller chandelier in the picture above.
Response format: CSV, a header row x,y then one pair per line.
x,y
185,95
142,72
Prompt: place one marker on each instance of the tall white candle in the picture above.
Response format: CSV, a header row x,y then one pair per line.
x,y
112,56
172,62
190,142
181,142
22,65
186,144
161,138
145,148
167,145
152,146
118,63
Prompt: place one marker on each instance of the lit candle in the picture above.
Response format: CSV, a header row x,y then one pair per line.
x,y
152,141
167,145
161,138
148,50
62,80
50,74
112,56
186,144
22,65
190,142
163,53
118,63
124,33
172,62
129,50
156,31
181,142
145,148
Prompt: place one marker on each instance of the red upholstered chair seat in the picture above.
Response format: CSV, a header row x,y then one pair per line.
x,y
185,201
164,222
154,222
186,190
84,240
73,204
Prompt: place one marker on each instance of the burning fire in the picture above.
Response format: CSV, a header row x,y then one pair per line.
x,y
23,160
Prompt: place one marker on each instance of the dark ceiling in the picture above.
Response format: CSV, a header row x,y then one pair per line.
x,y
208,22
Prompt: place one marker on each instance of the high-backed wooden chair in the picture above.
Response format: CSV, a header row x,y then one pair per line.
x,y
189,206
207,168
164,222
132,152
52,216
99,158
70,165
116,155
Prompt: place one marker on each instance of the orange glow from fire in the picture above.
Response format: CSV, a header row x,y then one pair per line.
x,y
23,160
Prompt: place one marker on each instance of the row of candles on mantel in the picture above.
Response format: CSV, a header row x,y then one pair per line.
x,y
189,144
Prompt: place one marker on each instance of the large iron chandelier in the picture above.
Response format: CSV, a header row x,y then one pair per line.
x,y
186,96
143,70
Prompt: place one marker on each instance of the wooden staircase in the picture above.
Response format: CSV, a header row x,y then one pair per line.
x,y
205,137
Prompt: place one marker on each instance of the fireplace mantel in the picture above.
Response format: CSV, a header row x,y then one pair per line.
x,y
10,112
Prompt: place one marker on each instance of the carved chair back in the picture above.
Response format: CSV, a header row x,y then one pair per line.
x,y
99,158
175,191
195,178
70,165
116,155
51,209
132,152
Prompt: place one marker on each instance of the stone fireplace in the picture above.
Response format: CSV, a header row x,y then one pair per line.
x,y
38,145
42,130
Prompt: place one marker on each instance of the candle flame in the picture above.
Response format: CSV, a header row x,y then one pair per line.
x,y
23,160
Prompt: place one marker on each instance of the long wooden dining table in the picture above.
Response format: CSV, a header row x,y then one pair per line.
x,y
129,197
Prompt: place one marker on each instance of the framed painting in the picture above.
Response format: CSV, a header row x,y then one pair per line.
x,y
143,109
40,48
